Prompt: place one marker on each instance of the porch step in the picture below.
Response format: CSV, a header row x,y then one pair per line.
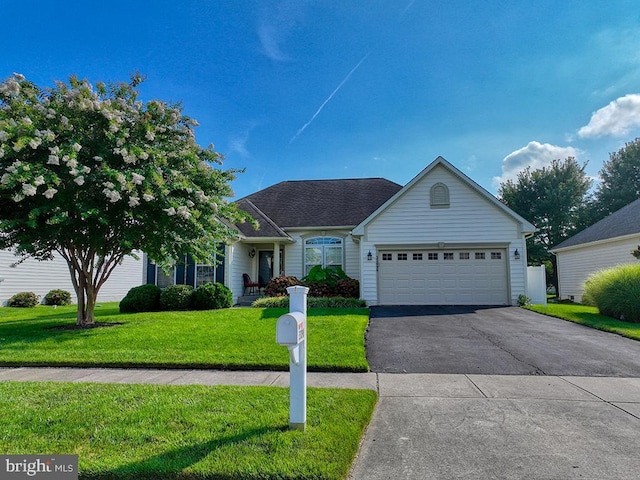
x,y
247,300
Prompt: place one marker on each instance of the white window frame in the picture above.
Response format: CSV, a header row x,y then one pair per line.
x,y
323,245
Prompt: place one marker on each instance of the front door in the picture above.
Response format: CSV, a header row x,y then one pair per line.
x,y
265,266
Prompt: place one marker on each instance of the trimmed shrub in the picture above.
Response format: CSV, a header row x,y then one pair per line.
x,y
312,302
176,297
211,296
320,289
277,287
24,300
57,297
336,302
616,292
145,298
348,288
281,301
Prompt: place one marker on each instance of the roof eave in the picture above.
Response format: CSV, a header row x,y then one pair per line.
x,y
596,243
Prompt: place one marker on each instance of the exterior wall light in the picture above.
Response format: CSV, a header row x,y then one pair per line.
x,y
252,253
516,254
369,256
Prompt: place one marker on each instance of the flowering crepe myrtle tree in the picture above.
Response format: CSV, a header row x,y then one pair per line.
x,y
94,174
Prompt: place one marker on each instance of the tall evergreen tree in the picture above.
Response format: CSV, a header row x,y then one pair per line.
x,y
620,181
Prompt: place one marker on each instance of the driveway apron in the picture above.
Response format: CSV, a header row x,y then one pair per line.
x,y
493,341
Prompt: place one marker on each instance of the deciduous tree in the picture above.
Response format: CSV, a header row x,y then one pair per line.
x,y
94,174
551,198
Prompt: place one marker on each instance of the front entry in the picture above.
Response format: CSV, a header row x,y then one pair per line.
x,y
265,266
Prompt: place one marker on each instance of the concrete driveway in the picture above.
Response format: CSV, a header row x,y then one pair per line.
x,y
493,341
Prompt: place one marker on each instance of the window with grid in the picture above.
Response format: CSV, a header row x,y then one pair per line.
x,y
448,256
387,256
417,256
496,255
402,256
324,251
479,255
432,256
463,255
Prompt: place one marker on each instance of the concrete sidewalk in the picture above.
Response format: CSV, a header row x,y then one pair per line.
x,y
440,426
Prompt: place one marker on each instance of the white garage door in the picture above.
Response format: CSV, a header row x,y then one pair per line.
x,y
443,277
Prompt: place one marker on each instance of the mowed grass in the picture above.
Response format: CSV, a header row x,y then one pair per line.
x,y
590,317
184,432
235,338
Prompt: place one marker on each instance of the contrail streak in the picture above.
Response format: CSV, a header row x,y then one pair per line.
x,y
344,80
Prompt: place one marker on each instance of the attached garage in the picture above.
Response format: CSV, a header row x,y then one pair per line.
x,y
443,240
443,277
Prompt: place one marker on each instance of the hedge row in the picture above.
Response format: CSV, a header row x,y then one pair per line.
x,y
150,298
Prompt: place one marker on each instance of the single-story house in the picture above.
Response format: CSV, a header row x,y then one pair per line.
x,y
604,244
440,239
42,277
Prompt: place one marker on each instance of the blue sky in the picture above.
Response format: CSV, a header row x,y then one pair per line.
x,y
295,90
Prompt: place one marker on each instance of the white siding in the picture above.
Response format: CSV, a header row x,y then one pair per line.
x,y
575,265
294,253
470,220
239,263
41,277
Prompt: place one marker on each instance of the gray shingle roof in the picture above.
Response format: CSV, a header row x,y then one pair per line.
x,y
266,229
316,203
625,221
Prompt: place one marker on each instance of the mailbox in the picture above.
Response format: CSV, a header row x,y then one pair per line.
x,y
290,329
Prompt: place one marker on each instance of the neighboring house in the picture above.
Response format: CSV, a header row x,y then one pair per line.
x,y
440,239
41,277
604,244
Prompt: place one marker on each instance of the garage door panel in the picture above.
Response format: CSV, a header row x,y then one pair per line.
x,y
465,277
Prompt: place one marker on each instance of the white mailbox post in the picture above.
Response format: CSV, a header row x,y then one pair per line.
x,y
291,331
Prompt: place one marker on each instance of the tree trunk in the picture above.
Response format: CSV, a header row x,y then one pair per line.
x,y
88,273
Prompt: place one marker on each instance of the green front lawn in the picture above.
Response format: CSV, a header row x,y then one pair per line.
x,y
236,338
588,316
184,432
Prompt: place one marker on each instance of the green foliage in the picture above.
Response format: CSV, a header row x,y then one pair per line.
x,y
348,287
96,174
312,302
211,296
523,300
176,297
551,198
277,287
620,183
326,275
616,292
145,298
57,297
24,300
331,282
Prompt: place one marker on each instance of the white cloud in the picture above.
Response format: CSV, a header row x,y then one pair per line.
x,y
270,39
617,119
535,155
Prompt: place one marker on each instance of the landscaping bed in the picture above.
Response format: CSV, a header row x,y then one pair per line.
x,y
232,338
185,432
